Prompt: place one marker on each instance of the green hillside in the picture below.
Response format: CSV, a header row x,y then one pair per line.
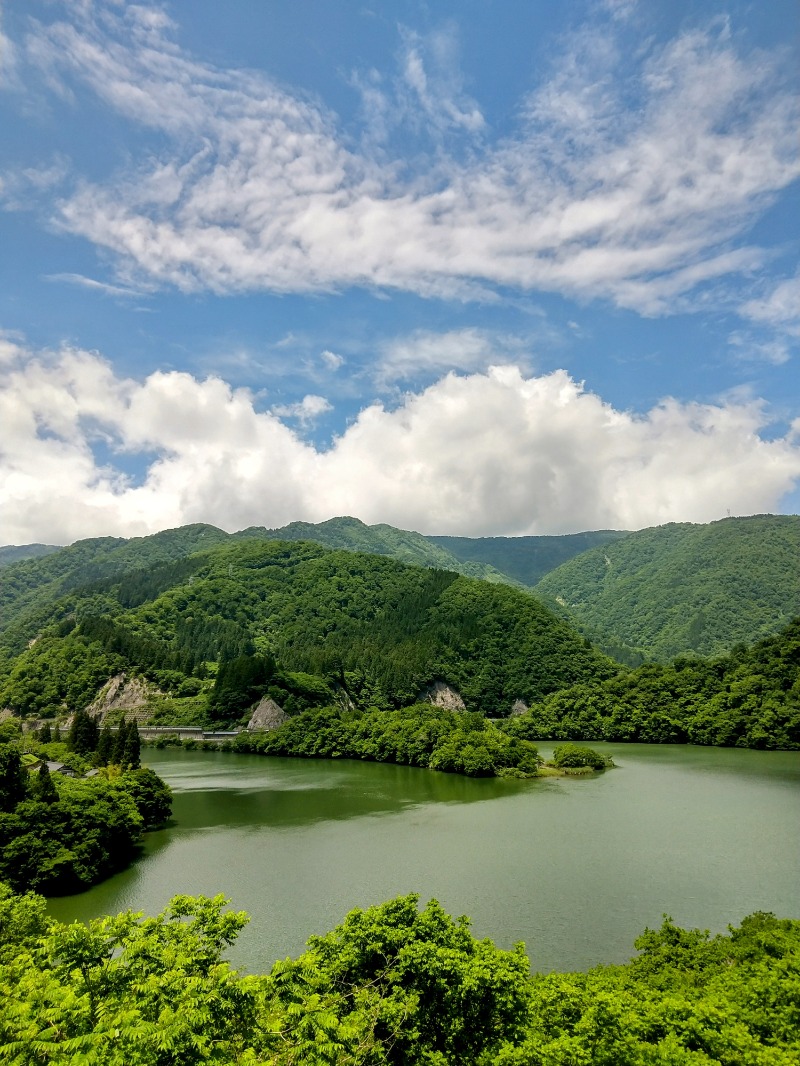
x,y
312,621
527,559
684,588
30,587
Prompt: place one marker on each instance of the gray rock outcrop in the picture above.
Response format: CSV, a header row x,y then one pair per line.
x,y
441,695
122,693
267,715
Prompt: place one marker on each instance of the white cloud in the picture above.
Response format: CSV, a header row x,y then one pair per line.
x,y
90,283
630,178
332,360
430,71
306,411
9,63
780,308
497,452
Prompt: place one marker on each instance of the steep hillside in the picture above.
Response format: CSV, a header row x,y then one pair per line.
x,y
685,588
360,624
527,559
36,579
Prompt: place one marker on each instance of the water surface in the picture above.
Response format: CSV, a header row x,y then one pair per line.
x,y
575,867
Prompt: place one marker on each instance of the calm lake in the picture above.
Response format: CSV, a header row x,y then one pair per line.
x,y
574,867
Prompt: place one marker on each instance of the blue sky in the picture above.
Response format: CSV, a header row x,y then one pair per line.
x,y
477,268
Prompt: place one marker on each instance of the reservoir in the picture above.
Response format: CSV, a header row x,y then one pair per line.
x,y
575,867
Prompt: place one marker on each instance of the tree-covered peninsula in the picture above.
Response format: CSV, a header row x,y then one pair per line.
x,y
393,985
65,828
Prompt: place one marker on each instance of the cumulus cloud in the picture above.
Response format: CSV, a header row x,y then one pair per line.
x,y
632,176
494,452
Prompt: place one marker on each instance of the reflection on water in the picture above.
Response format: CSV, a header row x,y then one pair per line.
x,y
575,867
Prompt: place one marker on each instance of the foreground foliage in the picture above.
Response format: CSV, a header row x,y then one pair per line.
x,y
392,985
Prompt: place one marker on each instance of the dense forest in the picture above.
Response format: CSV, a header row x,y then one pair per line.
x,y
749,698
213,623
424,736
681,588
373,629
393,985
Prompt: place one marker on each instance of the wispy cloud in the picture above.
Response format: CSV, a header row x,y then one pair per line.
x,y
633,179
431,353
90,283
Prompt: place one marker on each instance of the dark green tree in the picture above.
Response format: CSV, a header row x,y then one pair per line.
x,y
105,745
118,755
45,733
131,755
13,778
45,789
83,734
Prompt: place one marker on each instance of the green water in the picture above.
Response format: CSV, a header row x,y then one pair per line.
x,y
574,867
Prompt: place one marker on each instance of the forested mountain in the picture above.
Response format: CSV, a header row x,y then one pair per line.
x,y
312,621
350,534
13,553
527,559
685,588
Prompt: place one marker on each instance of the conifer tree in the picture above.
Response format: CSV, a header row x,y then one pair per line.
x,y
132,754
119,743
105,745
45,734
13,778
45,789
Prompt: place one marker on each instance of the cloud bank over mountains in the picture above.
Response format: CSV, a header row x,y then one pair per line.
x,y
305,312
478,454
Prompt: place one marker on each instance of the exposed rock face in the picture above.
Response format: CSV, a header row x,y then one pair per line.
x,y
441,695
122,693
518,707
267,715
